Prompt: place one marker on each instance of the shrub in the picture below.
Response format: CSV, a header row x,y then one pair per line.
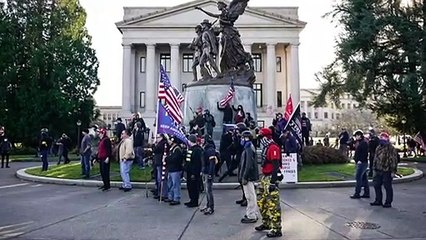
x,y
22,150
322,155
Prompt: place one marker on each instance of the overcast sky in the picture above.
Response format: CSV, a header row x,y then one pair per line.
x,y
316,40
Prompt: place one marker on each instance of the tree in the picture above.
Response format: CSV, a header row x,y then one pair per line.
x,y
381,60
47,66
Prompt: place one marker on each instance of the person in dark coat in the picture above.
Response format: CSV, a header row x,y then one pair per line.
x,y
289,142
306,128
200,123
209,122
193,167
227,113
174,163
248,119
138,143
119,128
104,157
5,148
210,161
44,146
248,174
361,159
373,143
158,150
225,151
239,114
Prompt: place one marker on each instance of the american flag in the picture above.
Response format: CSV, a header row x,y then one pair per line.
x,y
419,139
171,96
229,96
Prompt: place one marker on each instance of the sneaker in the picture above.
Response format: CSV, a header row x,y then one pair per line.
x,y
121,188
209,212
355,196
101,187
244,204
261,228
156,197
204,209
248,220
274,234
106,189
127,189
174,203
387,205
7,166
239,201
376,203
167,200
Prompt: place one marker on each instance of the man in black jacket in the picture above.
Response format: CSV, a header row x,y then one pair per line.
x,y
248,173
361,159
158,150
373,143
138,138
225,151
174,163
193,165
227,113
119,128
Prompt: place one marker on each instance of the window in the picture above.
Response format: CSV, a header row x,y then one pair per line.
x,y
343,106
316,115
309,115
326,115
279,99
257,87
337,116
142,64
257,62
188,59
332,115
278,64
142,99
104,117
349,106
332,105
165,61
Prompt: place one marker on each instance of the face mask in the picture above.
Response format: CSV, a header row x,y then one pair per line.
x,y
383,141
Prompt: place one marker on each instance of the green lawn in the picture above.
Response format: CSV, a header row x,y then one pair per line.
x,y
32,157
309,173
73,171
336,172
418,159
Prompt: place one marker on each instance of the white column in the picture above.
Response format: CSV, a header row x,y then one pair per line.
x,y
175,70
126,95
151,78
306,106
270,84
133,105
294,73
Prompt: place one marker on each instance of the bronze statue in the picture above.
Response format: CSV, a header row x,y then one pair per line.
x,y
196,45
210,50
233,56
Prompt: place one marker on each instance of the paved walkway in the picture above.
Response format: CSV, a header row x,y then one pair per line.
x,y
45,211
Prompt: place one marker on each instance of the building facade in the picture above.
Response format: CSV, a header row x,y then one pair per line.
x,y
325,118
154,36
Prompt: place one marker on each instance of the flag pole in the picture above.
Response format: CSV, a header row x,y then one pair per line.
x,y
158,107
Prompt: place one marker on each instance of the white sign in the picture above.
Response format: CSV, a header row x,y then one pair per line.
x,y
289,168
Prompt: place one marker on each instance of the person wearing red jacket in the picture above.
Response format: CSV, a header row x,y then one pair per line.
x,y
104,155
269,195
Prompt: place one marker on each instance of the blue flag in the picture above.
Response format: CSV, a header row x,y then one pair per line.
x,y
166,125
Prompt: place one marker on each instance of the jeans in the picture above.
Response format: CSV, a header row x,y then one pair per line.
x,y
250,194
174,185
104,169
161,189
139,156
361,179
45,163
383,178
85,165
125,167
209,193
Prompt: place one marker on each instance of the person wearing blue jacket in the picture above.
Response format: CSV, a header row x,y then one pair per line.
x,y
210,161
289,142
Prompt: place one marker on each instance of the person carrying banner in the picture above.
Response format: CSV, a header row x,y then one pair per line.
x,y
269,195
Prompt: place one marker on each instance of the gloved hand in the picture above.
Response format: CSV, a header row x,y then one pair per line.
x,y
272,187
244,182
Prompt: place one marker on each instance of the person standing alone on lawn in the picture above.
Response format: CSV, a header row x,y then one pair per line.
x,y
104,155
361,160
5,148
85,152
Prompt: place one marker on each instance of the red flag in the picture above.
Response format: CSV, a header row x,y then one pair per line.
x,y
288,109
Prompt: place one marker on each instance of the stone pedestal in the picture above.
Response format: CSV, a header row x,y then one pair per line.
x,y
206,95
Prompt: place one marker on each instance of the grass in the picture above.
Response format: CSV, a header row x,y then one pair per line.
x,y
336,172
73,171
32,157
309,173
417,159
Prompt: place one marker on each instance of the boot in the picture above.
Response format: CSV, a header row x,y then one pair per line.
x,y
261,228
274,234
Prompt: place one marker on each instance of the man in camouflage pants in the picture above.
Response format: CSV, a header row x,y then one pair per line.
x,y
268,193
